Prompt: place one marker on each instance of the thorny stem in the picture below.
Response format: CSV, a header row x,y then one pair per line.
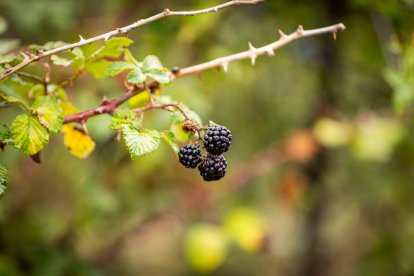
x,y
29,57
164,107
252,53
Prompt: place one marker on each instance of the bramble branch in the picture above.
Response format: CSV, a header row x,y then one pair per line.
x,y
253,52
29,58
223,62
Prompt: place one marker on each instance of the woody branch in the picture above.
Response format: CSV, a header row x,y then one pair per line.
x,y
30,58
252,53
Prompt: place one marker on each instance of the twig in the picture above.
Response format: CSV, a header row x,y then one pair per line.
x,y
252,53
164,107
119,31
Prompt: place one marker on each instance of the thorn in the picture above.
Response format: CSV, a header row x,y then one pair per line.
x,y
251,47
282,34
107,37
300,30
225,66
166,11
334,35
81,38
24,55
269,51
215,9
253,58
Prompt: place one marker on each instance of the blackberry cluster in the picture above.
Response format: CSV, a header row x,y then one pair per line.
x,y
217,139
213,167
189,156
213,164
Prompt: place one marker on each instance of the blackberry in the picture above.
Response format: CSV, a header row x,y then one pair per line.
x,y
217,139
189,156
213,167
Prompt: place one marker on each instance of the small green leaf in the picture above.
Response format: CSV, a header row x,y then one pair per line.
x,y
28,134
11,99
122,117
5,136
169,138
7,58
136,77
49,112
98,68
160,75
140,142
151,63
48,46
113,47
3,176
36,91
118,67
60,61
130,58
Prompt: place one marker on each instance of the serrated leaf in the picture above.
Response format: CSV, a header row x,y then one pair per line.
x,y
113,47
77,141
136,77
3,180
122,117
5,136
151,63
160,75
169,138
36,91
140,142
28,134
98,68
49,112
118,67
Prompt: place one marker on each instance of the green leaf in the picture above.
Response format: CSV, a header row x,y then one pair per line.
x,y
3,176
98,68
136,77
169,138
48,46
140,142
122,117
113,47
7,58
28,134
11,99
151,63
118,67
49,113
130,58
5,136
160,75
60,61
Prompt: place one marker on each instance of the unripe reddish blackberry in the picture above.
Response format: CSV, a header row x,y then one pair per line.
x,y
189,156
217,139
213,167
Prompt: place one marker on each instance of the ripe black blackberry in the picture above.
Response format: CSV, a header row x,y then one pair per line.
x,y
189,156
213,167
217,139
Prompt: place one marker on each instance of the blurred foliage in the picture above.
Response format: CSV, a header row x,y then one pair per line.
x,y
320,170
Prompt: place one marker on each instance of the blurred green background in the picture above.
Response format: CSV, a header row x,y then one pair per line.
x,y
320,174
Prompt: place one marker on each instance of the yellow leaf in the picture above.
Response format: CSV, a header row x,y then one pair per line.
x,y
68,108
78,142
